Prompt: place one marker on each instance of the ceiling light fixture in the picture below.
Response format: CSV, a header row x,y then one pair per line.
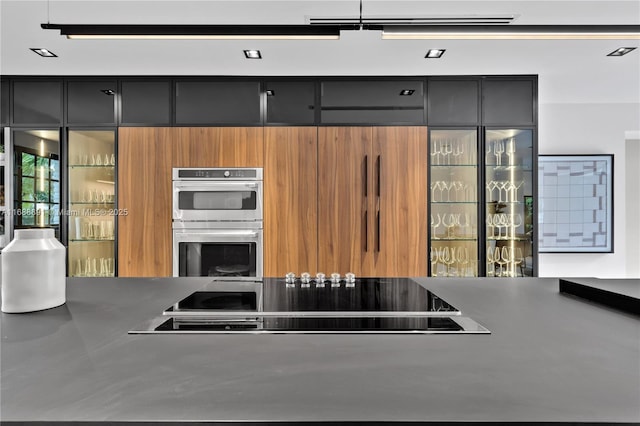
x,y
201,32
511,32
621,51
252,54
44,52
108,92
406,92
270,92
435,53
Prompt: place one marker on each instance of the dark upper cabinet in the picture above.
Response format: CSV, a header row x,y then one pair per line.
x,y
37,102
372,102
146,102
91,102
508,102
4,102
290,102
453,102
217,102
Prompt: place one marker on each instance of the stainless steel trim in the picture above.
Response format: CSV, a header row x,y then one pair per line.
x,y
311,314
469,327
216,235
222,224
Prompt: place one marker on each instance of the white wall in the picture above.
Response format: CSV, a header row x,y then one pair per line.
x,y
591,128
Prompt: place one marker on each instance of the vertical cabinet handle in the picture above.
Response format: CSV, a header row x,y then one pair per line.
x,y
378,231
378,172
366,231
378,161
365,181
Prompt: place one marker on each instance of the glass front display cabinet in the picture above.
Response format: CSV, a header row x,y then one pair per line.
x,y
91,226
481,202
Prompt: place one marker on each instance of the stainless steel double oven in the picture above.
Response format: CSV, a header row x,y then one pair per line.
x,y
217,222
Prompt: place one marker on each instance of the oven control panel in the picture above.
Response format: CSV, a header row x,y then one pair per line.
x,y
216,174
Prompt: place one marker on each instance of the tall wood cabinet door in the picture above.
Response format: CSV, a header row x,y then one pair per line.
x,y
144,190
290,200
218,147
344,188
400,201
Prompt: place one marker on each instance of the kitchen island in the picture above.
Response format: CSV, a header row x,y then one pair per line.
x,y
549,358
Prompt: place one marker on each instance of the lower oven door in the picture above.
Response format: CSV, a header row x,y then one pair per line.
x,y
217,253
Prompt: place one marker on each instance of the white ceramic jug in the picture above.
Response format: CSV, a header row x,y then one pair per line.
x,y
33,272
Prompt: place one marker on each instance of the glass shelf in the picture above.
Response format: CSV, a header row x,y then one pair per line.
x,y
99,240
504,202
514,167
87,166
454,202
454,239
93,203
453,165
508,238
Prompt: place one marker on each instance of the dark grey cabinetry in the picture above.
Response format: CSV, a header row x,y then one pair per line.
x,y
290,102
508,101
91,102
146,103
37,102
453,102
372,102
217,102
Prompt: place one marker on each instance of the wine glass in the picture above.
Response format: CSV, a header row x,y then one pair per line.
x,y
518,260
448,220
443,257
491,270
497,257
507,257
433,258
490,218
435,152
498,149
463,260
448,150
516,187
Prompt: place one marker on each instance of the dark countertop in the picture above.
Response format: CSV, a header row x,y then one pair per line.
x,y
550,358
627,287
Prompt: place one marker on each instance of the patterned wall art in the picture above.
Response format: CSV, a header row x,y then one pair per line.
x,y
575,203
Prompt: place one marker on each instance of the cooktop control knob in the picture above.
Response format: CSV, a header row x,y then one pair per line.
x,y
320,279
350,279
290,279
305,279
335,280
227,173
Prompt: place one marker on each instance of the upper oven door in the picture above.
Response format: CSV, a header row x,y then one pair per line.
x,y
217,201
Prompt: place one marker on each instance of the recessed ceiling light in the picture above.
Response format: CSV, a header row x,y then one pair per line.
x,y
435,53
270,92
406,92
252,54
44,52
108,92
621,51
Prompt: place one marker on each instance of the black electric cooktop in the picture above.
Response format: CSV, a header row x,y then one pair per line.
x,y
274,297
273,306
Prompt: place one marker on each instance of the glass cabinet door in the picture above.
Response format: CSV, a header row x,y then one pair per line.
x,y
453,202
92,165
509,202
35,180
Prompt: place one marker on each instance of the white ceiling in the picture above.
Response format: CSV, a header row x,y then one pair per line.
x,y
579,69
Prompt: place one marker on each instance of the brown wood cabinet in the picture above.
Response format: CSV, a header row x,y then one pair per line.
x,y
372,200
144,190
218,147
290,200
345,217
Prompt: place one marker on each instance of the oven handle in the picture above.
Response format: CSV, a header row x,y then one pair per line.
x,y
226,234
195,186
